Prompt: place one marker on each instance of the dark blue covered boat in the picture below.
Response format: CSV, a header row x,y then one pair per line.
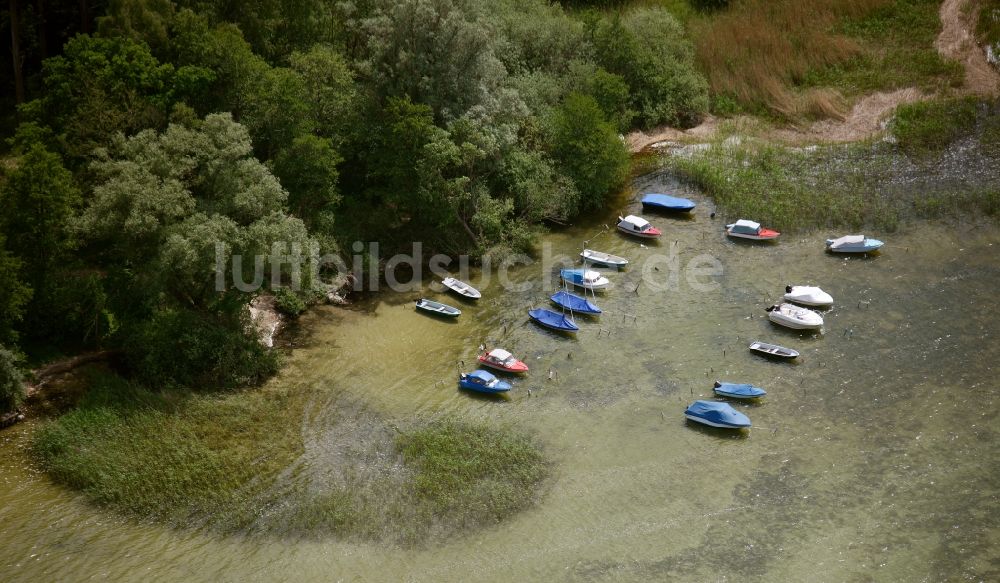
x,y
573,302
716,414
738,390
482,381
553,320
666,202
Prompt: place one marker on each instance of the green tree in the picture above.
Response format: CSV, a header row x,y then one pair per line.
x,y
432,52
100,87
330,91
142,20
39,197
270,102
308,169
588,149
661,75
163,206
14,294
11,381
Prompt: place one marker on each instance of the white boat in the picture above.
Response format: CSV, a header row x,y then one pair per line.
x,y
793,316
853,244
808,295
638,227
602,258
461,288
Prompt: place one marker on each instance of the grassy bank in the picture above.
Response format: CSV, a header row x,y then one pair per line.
x,y
228,461
802,59
944,162
988,25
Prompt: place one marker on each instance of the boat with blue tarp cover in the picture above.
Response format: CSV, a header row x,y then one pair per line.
x,y
716,414
575,303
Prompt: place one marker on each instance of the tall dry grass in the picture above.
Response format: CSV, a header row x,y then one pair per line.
x,y
758,49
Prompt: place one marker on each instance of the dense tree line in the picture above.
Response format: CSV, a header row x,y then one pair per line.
x,y
162,128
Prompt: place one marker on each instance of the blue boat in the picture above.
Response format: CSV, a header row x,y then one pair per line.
x,y
738,390
716,414
573,302
553,320
482,381
666,202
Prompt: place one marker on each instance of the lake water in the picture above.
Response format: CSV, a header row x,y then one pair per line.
x,y
874,457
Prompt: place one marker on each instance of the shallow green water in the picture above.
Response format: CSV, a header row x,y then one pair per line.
x,y
875,457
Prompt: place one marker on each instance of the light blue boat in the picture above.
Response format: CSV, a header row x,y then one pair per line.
x,y
853,244
668,203
482,381
553,320
585,278
573,302
738,390
716,414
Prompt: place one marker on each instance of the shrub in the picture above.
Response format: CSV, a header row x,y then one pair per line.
x,y
927,127
288,302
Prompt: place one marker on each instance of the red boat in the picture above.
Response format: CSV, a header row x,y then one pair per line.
x,y
500,359
745,229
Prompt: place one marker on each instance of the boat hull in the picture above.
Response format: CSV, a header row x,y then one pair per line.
x,y
704,421
812,296
517,368
487,383
867,246
502,388
738,391
575,303
461,288
773,351
640,234
664,202
769,236
553,321
716,414
795,317
606,259
438,309
793,323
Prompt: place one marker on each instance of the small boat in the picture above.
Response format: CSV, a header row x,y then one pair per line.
x,y
575,303
716,414
808,295
853,244
773,350
553,320
500,359
602,258
585,278
438,308
461,288
638,227
482,381
667,203
738,390
745,229
793,316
